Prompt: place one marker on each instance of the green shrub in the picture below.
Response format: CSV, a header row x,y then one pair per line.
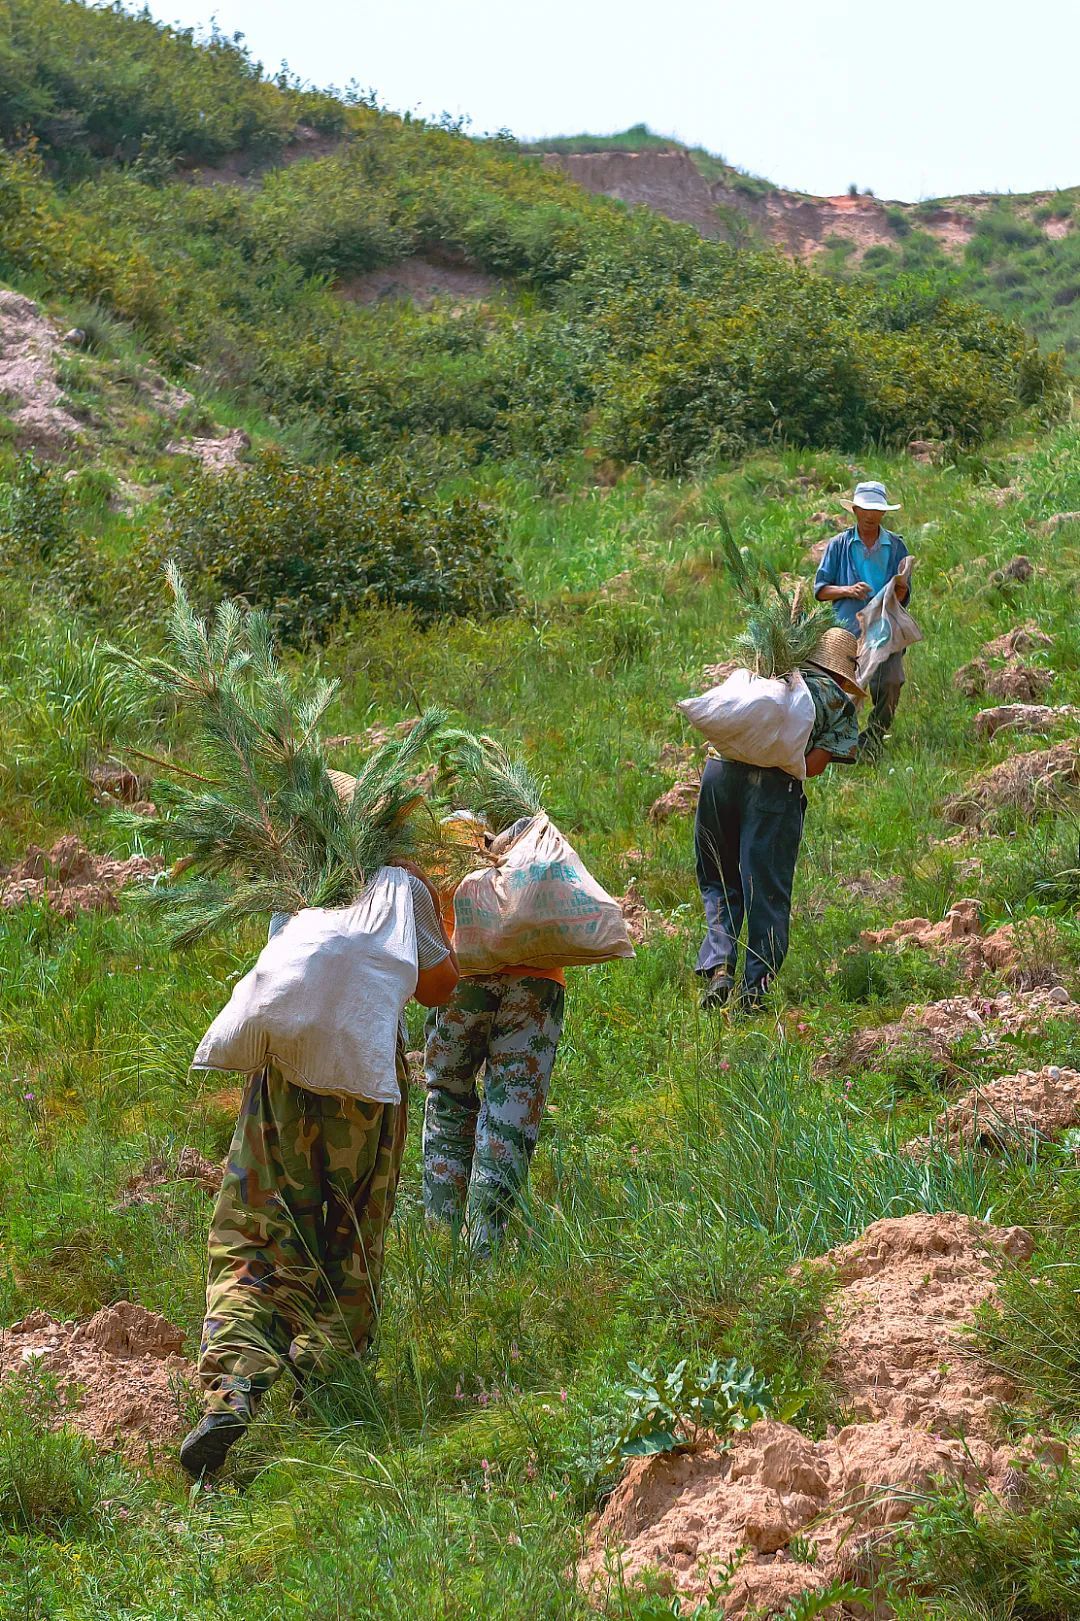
x,y
312,544
50,1479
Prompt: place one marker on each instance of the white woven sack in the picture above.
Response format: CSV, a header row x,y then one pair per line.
x,y
537,906
324,1000
760,720
886,628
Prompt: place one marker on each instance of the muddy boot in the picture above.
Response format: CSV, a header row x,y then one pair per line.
x,y
204,1450
718,990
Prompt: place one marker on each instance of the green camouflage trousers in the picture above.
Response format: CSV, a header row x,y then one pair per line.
x,y
296,1240
476,1155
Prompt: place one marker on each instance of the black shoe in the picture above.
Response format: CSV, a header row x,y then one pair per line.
x,y
204,1451
718,990
754,998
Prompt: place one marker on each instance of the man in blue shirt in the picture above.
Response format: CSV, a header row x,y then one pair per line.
x,y
856,566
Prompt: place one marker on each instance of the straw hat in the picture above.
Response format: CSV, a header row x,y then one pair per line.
x,y
837,654
872,498
344,785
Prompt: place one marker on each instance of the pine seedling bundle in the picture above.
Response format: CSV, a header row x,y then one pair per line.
x,y
491,782
260,826
780,632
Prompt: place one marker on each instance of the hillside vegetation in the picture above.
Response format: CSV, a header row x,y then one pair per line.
x,y
510,507
1018,255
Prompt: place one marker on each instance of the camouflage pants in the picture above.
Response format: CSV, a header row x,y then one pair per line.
x,y
476,1154
296,1240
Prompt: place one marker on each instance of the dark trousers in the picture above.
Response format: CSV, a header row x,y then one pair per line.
x,y
746,840
885,684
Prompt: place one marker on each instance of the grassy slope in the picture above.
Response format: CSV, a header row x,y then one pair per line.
x,y
683,1165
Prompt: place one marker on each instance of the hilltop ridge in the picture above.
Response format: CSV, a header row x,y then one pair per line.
x,y
1017,253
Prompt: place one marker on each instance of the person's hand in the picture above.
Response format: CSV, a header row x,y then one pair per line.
x,y
860,591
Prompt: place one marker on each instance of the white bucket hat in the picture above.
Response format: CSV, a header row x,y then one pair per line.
x,y
872,498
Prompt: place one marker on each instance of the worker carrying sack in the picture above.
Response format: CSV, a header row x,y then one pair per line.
x,y
760,720
537,904
325,998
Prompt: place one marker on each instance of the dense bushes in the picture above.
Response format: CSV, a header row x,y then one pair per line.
x,y
615,329
102,81
311,544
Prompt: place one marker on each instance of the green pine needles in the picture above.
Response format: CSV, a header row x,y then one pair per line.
x,y
259,826
490,781
780,633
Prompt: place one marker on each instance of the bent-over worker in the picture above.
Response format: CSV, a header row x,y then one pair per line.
x,y
749,828
298,1231
477,1151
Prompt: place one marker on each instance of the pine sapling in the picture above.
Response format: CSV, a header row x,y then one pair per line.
x,y
258,823
780,632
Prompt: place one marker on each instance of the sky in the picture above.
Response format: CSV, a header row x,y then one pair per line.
x,y
921,99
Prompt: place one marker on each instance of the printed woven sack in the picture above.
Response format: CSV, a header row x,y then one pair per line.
x,y
760,720
325,998
887,628
537,904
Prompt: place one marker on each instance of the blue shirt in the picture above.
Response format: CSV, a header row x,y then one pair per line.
x,y
847,561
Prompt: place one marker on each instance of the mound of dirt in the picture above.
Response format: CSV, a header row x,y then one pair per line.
x,y
1026,782
125,1367
679,800
218,455
1022,718
147,1185
1021,639
906,1286
1015,1110
1057,520
935,1030
1022,953
800,1514
421,281
1014,682
643,924
70,878
32,397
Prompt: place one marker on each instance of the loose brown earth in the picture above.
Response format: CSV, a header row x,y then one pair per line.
x,y
1023,955
936,1030
147,1185
906,1290
421,282
124,1367
643,924
1014,682
31,395
217,455
1024,782
70,878
1013,1111
1023,718
802,226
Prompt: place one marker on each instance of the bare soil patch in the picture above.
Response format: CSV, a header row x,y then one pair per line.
x,y
156,1177
1014,682
29,391
936,1030
1025,782
1023,718
1022,953
70,878
217,455
1012,1111
421,282
798,1513
1021,639
642,923
125,1366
